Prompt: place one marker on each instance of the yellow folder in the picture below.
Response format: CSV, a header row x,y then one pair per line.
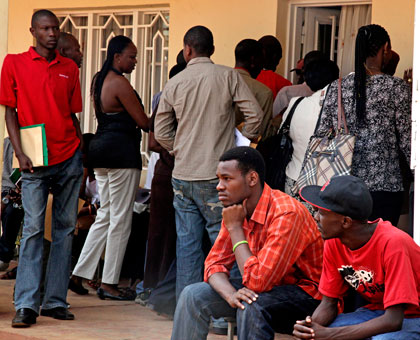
x,y
34,145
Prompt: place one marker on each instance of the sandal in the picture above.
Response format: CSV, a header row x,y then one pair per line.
x,y
95,284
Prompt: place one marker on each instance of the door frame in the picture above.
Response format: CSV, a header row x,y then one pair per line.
x,y
292,17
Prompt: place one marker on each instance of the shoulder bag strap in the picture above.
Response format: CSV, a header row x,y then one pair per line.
x,y
288,120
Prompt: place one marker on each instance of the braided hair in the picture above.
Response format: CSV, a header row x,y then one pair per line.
x,y
116,46
369,40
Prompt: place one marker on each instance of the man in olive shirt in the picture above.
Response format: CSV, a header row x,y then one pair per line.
x,y
195,121
249,60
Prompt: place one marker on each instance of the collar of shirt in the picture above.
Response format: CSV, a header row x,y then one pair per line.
x,y
34,55
200,60
243,72
260,212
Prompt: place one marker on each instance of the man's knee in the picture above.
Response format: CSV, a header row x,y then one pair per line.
x,y
192,294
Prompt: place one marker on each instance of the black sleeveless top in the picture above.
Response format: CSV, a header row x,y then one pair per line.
x,y
116,143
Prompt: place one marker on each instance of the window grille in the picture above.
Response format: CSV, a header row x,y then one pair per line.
x,y
149,30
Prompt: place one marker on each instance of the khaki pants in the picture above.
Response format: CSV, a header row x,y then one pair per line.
x,y
117,190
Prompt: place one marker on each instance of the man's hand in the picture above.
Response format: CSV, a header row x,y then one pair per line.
x,y
243,294
25,163
234,216
307,329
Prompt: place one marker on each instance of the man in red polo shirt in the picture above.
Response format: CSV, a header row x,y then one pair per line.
x,y
41,87
272,56
275,243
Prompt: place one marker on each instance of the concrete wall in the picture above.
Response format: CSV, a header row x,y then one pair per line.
x,y
229,20
398,19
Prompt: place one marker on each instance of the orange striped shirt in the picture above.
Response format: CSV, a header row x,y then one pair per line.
x,y
285,242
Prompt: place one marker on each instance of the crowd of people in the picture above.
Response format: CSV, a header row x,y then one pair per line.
x,y
221,243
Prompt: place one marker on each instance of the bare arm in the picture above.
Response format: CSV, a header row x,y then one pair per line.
x,y
326,312
153,144
126,96
76,125
391,321
25,162
233,217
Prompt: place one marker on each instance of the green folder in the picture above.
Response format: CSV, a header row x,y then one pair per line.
x,y
34,145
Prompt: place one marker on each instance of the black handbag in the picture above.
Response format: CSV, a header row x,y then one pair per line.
x,y
277,152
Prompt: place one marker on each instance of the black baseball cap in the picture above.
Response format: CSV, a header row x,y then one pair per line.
x,y
345,195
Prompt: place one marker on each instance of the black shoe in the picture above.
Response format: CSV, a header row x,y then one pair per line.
x,y
78,289
59,313
103,294
25,317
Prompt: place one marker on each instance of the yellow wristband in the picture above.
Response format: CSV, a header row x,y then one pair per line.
x,y
238,244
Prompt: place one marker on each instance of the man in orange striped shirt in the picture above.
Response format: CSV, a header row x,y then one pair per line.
x,y
278,249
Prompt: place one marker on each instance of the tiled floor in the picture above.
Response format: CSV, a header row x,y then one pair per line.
x,y
95,320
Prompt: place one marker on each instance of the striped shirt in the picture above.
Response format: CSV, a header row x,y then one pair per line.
x,y
285,242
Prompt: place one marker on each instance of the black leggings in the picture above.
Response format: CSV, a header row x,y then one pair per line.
x,y
387,205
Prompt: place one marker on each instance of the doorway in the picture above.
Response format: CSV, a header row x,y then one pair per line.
x,y
330,29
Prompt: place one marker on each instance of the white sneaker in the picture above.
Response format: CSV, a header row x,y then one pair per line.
x,y
3,266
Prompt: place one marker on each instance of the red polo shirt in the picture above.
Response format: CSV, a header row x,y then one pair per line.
x,y
273,80
46,93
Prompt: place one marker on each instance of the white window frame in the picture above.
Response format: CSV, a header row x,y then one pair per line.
x,y
292,13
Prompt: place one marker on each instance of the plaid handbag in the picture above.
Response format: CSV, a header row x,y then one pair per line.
x,y
328,156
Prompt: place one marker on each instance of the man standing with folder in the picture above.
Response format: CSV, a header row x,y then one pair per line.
x,y
44,88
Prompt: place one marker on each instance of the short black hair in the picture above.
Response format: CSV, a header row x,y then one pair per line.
x,y
176,69
248,159
272,49
180,58
200,39
246,49
41,13
312,56
319,73
65,39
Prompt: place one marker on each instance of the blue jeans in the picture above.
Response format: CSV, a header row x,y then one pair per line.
x,y
197,207
410,329
275,310
63,181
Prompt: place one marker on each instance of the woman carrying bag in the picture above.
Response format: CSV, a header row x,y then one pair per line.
x,y
377,107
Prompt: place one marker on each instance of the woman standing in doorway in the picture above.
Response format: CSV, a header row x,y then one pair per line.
x,y
115,156
378,113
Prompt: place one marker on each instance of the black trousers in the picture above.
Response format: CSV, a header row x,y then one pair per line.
x,y
11,222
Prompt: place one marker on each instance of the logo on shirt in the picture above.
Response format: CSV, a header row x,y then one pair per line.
x,y
355,278
63,75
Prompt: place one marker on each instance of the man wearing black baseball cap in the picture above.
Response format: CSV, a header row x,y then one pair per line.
x,y
379,261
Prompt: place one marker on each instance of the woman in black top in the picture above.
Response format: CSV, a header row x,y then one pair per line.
x,y
115,155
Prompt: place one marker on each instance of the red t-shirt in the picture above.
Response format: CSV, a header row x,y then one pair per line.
x,y
46,93
273,80
385,271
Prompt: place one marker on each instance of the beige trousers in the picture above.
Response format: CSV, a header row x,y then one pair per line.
x,y
117,190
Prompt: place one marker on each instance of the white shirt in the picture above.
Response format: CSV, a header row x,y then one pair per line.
x,y
302,128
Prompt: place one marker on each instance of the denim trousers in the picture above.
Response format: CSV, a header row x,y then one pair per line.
x,y
63,181
275,310
410,329
197,207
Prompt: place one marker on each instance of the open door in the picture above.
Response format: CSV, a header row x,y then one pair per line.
x,y
320,31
